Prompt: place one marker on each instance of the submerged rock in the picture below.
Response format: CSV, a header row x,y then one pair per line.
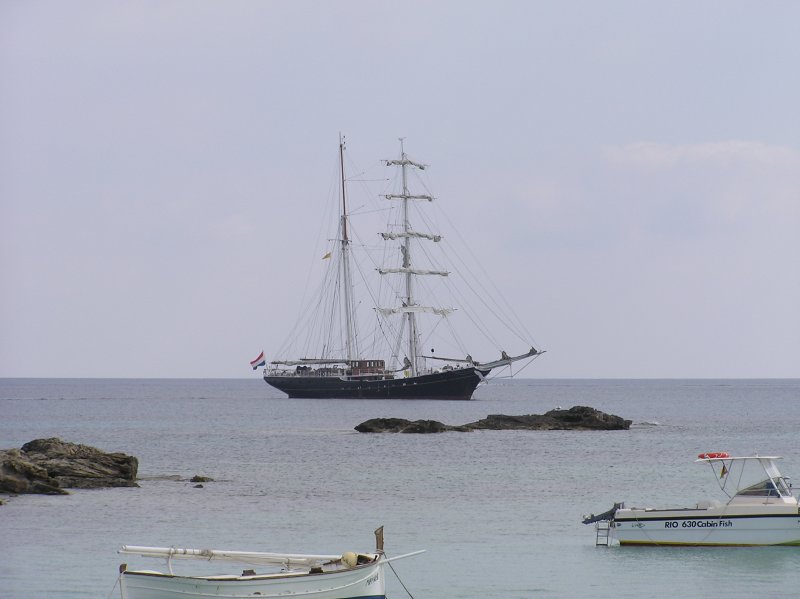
x,y
576,418
400,425
52,465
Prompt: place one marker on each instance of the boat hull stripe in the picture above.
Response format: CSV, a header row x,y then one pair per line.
x,y
717,517
689,544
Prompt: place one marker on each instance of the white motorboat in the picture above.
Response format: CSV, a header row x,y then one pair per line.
x,y
346,576
761,510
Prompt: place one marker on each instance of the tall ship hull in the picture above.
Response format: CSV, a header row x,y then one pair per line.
x,y
366,332
455,385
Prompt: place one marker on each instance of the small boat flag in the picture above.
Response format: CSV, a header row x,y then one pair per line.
x,y
326,256
259,361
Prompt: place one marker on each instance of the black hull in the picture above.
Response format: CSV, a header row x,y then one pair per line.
x,y
452,384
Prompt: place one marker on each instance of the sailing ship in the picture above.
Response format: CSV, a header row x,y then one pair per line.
x,y
404,371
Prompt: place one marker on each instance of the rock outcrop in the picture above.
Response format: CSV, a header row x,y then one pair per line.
x,y
576,418
200,479
400,425
19,475
52,465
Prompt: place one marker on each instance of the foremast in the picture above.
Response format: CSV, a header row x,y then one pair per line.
x,y
409,307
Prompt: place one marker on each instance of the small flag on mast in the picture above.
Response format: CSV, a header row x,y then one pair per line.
x,y
326,256
259,361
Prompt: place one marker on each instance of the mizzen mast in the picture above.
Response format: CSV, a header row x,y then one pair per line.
x,y
351,349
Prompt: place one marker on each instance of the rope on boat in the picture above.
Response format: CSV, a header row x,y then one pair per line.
x,y
398,579
115,586
511,376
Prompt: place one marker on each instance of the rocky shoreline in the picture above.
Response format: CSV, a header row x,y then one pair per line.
x,y
575,418
50,466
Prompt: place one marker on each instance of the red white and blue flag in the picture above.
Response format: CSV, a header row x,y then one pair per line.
x,y
259,361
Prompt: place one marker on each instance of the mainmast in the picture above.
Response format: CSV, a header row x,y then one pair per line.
x,y
406,251
410,307
350,334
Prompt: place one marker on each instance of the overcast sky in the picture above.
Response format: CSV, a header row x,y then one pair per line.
x,y
629,172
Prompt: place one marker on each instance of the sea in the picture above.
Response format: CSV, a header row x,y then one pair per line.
x,y
498,512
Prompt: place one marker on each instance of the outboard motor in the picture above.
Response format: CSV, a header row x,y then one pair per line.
x,y
609,515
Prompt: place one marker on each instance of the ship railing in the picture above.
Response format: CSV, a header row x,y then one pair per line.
x,y
316,372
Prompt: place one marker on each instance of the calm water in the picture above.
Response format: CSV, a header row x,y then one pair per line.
x,y
498,511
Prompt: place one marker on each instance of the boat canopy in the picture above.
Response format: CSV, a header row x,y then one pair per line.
x,y
762,479
725,457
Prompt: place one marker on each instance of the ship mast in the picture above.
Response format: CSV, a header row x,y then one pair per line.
x,y
350,335
413,349
410,307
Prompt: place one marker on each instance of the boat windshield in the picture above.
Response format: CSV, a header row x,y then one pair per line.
x,y
767,488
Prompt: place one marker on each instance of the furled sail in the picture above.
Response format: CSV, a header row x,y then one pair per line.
x,y
388,236
412,271
415,310
403,196
404,161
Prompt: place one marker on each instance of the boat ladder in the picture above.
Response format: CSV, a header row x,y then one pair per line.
x,y
602,529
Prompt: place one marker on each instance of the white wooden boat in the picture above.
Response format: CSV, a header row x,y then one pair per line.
x,y
346,576
760,510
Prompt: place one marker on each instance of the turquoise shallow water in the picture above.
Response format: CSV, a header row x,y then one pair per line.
x,y
498,511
